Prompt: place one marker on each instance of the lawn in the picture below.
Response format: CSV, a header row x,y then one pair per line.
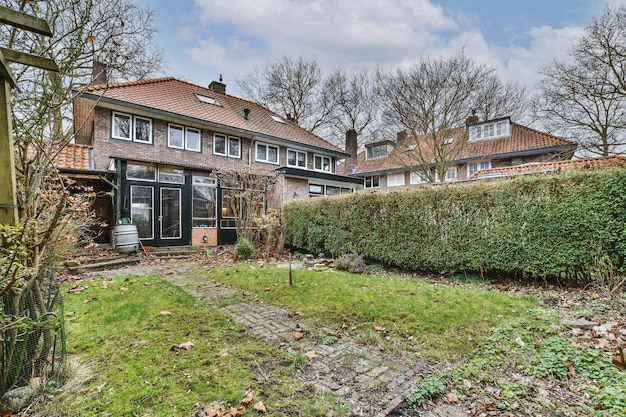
x,y
444,323
128,350
126,346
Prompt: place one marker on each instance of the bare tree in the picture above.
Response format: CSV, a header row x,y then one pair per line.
x,y
495,98
431,101
353,104
583,97
292,88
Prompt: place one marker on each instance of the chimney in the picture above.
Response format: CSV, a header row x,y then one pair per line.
x,y
99,73
352,149
291,118
472,119
401,136
218,87
246,114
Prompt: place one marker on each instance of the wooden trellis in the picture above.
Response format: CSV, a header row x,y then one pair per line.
x,y
8,197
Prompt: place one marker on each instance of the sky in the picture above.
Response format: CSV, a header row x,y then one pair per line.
x,y
203,39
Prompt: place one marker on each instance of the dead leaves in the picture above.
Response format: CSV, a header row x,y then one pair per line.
x,y
217,409
182,346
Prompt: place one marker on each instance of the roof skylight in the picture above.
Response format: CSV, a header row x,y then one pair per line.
x,y
276,118
207,99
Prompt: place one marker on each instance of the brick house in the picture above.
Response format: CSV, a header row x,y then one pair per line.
x,y
163,141
481,146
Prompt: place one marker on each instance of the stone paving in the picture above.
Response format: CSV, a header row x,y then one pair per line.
x,y
371,382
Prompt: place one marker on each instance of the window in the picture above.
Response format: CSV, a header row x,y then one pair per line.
x,y
395,180
372,181
204,202
296,158
181,137
231,199
226,146
322,163
474,168
276,118
142,210
490,130
450,175
171,175
140,172
267,153
377,151
132,128
207,99
316,190
418,178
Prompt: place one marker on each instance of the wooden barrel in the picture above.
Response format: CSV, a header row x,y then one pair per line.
x,y
126,238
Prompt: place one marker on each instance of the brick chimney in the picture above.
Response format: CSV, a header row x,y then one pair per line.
x,y
401,136
218,87
352,148
471,119
99,73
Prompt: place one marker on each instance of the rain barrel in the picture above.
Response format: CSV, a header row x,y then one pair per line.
x,y
126,238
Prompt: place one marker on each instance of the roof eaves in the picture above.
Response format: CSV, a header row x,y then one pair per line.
x,y
526,152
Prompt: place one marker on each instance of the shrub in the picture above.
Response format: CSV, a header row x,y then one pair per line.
x,y
351,262
244,248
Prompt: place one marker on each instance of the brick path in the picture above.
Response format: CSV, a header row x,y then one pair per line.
x,y
371,382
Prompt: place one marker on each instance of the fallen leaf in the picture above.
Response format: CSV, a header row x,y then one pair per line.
x,y
467,384
260,407
186,345
544,393
298,335
249,397
70,313
123,288
165,313
100,387
86,301
452,398
381,348
572,370
380,329
268,289
311,354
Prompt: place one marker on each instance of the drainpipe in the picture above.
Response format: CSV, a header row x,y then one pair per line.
x,y
118,193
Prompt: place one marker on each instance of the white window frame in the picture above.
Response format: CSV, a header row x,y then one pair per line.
x,y
132,133
227,142
145,119
479,166
267,147
114,134
448,178
169,136
199,132
322,158
297,152
418,178
491,130
371,177
395,180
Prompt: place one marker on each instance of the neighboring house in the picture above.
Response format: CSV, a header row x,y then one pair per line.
x,y
164,140
481,146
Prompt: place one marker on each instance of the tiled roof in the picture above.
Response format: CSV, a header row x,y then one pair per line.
x,y
588,164
69,156
523,140
177,97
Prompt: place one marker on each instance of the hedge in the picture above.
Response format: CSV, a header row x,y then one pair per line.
x,y
543,225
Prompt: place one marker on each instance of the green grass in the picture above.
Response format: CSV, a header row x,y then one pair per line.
x,y
443,323
117,331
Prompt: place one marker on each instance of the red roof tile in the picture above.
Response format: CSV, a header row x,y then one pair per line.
x,y
522,139
592,164
177,97
68,156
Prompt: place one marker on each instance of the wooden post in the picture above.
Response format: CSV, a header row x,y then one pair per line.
x,y
8,180
8,193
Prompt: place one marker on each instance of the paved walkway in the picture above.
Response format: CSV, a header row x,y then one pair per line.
x,y
370,381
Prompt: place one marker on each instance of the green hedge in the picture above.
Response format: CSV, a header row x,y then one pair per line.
x,y
558,225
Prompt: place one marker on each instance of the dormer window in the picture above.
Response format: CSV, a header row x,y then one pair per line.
x,y
490,130
377,150
207,99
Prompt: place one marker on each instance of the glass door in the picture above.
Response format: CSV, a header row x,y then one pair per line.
x,y
170,224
